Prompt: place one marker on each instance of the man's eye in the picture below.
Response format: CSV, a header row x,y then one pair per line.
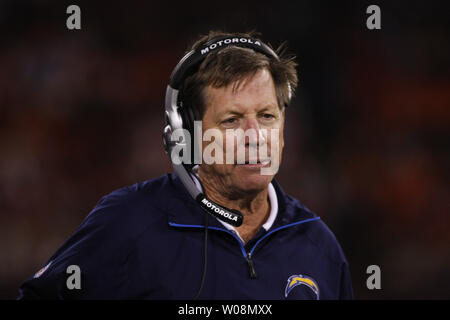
x,y
268,116
230,121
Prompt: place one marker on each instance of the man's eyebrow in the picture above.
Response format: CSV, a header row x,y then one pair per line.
x,y
269,106
228,113
235,110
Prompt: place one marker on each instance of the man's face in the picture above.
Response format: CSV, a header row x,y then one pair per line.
x,y
251,108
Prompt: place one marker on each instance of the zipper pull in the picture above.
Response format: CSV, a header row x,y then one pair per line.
x,y
251,266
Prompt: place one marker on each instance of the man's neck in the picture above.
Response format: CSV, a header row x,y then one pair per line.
x,y
255,207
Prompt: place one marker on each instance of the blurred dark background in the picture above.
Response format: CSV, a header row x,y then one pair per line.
x,y
81,114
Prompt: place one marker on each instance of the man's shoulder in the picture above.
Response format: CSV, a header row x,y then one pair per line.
x,y
326,242
133,207
149,191
319,234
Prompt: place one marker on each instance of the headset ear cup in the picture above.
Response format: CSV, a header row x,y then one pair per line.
x,y
187,116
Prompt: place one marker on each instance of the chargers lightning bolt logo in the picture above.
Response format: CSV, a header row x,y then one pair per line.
x,y
296,280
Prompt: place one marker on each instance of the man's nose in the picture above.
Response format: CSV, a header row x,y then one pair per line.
x,y
252,131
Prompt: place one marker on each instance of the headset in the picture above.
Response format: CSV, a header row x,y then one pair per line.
x,y
181,116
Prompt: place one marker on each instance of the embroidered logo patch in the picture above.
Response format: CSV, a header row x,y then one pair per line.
x,y
296,280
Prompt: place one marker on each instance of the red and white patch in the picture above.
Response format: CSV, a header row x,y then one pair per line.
x,y
40,272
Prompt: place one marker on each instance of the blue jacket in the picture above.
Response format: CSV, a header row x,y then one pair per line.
x,y
146,241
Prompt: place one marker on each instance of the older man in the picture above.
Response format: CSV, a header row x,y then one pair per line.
x,y
221,229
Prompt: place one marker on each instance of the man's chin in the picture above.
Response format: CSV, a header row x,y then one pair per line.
x,y
251,180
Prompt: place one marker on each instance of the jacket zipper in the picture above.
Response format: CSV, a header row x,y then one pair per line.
x,y
247,255
251,266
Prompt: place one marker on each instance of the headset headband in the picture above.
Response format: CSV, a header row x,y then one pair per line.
x,y
193,58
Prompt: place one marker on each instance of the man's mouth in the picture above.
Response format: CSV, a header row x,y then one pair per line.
x,y
255,163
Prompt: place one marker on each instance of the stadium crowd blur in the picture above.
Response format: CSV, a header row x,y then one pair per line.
x,y
81,114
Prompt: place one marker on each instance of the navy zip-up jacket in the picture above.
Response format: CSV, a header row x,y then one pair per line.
x,y
146,241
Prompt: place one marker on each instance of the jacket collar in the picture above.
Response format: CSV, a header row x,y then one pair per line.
x,y
184,210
